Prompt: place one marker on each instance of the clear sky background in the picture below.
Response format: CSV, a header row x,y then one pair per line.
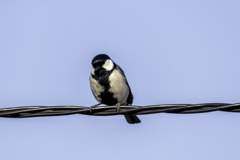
x,y
171,51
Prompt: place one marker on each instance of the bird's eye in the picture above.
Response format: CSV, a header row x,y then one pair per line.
x,y
97,64
94,65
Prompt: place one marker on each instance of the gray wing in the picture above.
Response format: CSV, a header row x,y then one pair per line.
x,y
130,96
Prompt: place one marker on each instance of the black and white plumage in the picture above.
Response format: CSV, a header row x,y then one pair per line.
x,y
109,85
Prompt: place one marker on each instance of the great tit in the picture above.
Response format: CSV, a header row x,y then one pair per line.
x,y
109,85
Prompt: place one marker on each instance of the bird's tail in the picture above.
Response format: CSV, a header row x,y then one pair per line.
x,y
132,119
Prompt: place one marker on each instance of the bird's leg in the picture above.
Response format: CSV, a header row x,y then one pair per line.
x,y
94,106
118,107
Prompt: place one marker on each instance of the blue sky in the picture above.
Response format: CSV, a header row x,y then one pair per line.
x,y
171,52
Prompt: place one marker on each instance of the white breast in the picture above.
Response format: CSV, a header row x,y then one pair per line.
x,y
96,88
118,86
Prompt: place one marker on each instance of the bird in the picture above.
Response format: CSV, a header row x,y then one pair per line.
x,y
109,85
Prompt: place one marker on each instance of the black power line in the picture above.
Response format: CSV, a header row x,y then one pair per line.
x,y
39,111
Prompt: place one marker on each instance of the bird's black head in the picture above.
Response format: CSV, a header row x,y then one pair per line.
x,y
102,66
100,57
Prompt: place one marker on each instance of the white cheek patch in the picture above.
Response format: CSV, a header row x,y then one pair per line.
x,y
108,65
92,71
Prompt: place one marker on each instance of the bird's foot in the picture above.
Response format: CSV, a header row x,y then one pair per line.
x,y
94,106
118,107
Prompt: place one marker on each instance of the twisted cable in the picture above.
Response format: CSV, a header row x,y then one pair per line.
x,y
40,111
